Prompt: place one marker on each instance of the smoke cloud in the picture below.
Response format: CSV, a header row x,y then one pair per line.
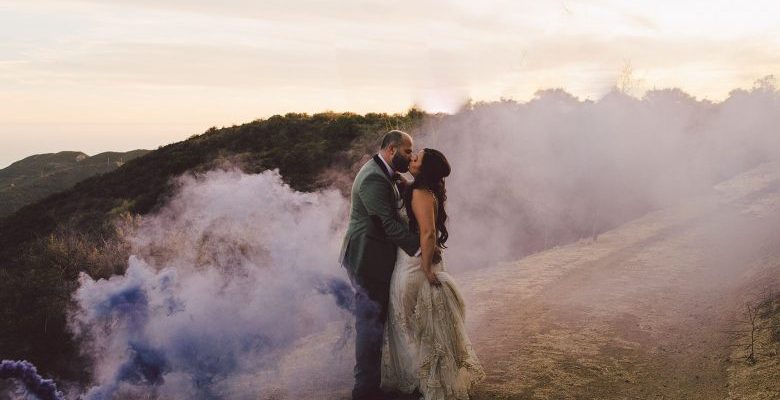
x,y
27,374
529,176
226,290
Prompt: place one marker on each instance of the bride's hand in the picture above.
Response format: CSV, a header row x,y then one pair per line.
x,y
432,279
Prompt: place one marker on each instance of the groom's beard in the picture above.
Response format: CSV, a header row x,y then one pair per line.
x,y
400,163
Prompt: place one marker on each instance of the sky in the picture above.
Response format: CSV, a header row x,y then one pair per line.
x,y
99,75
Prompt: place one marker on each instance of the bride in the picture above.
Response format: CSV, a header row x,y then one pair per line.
x,y
425,347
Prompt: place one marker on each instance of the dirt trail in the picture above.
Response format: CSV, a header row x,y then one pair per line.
x,y
640,313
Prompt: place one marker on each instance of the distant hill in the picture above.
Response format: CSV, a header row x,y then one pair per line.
x,y
33,178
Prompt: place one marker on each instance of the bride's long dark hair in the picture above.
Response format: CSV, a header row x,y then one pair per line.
x,y
433,170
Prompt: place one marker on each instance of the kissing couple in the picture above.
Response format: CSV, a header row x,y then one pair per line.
x,y
411,338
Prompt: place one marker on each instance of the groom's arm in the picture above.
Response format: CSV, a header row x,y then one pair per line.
x,y
375,192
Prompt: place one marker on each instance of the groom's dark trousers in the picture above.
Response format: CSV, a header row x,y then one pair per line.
x,y
371,302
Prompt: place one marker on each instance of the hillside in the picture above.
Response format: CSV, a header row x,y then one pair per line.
x,y
45,245
299,145
35,177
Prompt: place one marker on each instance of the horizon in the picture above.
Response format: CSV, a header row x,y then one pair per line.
x,y
94,76
769,79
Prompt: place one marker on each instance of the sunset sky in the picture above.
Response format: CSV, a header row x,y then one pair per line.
x,y
97,75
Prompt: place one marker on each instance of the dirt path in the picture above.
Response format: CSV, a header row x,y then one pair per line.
x,y
641,313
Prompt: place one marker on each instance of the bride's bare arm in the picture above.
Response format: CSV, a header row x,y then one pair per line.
x,y
423,204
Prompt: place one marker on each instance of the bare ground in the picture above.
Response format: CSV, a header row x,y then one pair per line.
x,y
642,313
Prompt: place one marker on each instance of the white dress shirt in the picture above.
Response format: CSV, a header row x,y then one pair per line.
x,y
389,168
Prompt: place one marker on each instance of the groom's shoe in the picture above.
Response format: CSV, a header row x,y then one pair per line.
x,y
403,396
372,395
378,396
416,395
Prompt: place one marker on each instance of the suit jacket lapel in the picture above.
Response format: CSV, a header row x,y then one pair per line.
x,y
387,175
383,167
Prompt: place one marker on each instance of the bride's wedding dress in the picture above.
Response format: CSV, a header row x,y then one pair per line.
x,y
425,346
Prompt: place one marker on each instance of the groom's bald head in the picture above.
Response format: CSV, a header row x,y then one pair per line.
x,y
397,149
396,138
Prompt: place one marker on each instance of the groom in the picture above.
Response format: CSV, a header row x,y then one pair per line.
x,y
373,237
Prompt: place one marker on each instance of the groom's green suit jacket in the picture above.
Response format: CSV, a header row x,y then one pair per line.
x,y
375,230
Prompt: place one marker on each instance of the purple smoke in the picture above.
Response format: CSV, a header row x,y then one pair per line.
x,y
344,295
341,291
128,306
25,372
224,296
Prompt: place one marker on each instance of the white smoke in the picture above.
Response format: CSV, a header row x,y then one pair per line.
x,y
224,286
529,176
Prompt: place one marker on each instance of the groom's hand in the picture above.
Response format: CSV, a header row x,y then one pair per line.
x,y
400,180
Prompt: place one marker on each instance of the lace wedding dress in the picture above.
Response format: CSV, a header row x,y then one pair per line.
x,y
425,346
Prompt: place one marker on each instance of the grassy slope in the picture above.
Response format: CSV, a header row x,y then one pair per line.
x,y
33,178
